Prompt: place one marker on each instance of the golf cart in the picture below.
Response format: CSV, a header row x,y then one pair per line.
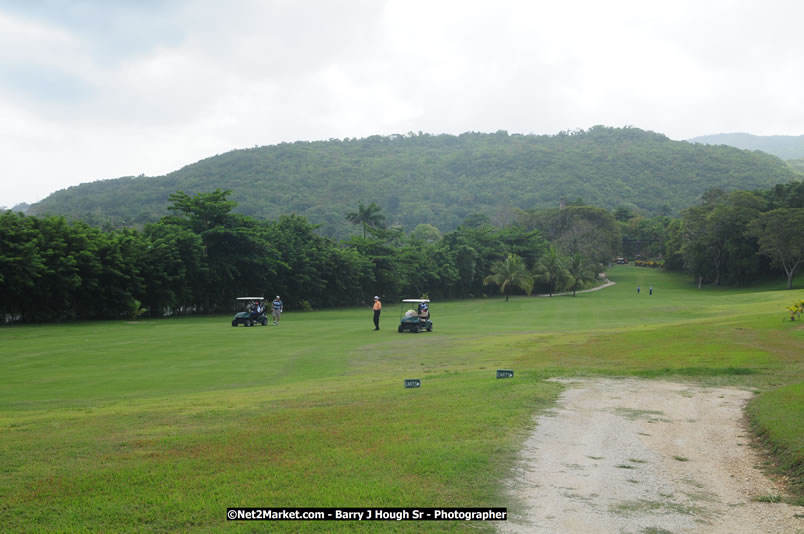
x,y
416,319
253,312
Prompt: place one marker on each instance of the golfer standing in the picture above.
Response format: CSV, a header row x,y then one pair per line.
x,y
377,309
276,310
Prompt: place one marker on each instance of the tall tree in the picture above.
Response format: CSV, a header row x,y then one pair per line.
x,y
551,272
21,263
174,269
302,256
367,216
426,233
580,271
780,234
510,272
204,211
586,230
238,255
716,244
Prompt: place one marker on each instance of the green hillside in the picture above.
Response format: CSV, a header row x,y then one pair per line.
x,y
437,179
781,146
797,165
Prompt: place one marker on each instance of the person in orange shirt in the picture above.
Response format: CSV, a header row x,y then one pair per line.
x,y
377,309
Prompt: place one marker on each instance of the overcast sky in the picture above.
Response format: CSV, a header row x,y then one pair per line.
x,y
101,89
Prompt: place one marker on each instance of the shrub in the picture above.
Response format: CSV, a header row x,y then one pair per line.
x,y
649,263
796,309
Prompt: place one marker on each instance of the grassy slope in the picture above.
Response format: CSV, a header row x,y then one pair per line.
x,y
163,424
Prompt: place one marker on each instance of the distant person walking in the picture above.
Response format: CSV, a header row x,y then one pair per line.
x,y
637,289
276,309
650,291
377,310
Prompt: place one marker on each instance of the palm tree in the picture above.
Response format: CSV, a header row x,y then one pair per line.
x,y
550,270
580,272
510,272
368,216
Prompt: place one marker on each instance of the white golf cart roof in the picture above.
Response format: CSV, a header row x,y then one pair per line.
x,y
415,300
250,298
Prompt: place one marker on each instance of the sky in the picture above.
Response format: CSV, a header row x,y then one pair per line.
x,y
100,89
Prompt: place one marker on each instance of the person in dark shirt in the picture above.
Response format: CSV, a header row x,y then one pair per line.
x,y
377,309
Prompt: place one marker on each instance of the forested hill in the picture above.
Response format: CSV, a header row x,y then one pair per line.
x,y
783,146
437,179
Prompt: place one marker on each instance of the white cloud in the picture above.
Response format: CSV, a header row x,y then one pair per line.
x,y
91,91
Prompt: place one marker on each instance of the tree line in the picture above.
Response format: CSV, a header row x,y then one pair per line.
x,y
732,238
203,255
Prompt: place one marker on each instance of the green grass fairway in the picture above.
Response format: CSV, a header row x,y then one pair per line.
x,y
160,425
777,417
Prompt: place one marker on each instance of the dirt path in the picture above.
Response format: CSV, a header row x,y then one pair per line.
x,y
640,456
608,283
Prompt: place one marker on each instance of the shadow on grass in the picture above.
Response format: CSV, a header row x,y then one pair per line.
x,y
696,371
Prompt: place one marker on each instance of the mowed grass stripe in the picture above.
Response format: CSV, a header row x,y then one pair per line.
x,y
77,363
375,445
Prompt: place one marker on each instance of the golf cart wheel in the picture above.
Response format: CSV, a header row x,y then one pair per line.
x,y
234,322
430,327
400,329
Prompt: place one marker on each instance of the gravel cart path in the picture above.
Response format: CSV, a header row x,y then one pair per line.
x,y
643,456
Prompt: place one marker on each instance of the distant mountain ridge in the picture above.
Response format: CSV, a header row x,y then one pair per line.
x,y
786,147
437,179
